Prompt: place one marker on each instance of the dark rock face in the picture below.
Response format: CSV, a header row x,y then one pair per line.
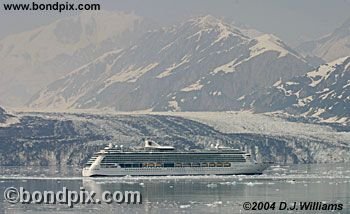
x,y
4,116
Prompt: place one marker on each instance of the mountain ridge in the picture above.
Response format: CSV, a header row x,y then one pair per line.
x,y
32,59
199,64
323,93
329,47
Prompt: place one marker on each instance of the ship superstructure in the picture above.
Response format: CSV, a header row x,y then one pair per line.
x,y
153,159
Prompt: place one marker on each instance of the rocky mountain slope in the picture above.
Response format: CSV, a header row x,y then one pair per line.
x,y
201,64
3,115
7,119
323,93
70,139
30,60
331,47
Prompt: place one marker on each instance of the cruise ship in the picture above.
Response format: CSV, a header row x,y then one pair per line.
x,y
152,159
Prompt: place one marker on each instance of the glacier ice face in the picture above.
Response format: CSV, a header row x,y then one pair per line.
x,y
71,138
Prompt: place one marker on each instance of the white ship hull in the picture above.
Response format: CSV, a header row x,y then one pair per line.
x,y
235,169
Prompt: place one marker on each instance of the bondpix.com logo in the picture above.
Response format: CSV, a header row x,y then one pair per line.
x,y
20,195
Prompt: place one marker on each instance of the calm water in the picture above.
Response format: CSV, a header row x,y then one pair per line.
x,y
205,194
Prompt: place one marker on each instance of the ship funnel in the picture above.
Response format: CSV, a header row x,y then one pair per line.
x,y
149,143
153,145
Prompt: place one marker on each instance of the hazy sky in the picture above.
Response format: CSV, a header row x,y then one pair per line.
x,y
292,20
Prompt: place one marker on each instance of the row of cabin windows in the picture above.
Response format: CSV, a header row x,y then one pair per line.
x,y
178,156
170,165
110,160
174,155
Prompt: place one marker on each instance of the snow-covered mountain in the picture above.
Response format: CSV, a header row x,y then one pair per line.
x,y
30,60
201,64
323,93
247,30
331,47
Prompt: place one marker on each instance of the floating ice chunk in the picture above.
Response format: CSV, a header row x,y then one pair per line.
x,y
253,184
185,206
214,204
291,181
212,185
